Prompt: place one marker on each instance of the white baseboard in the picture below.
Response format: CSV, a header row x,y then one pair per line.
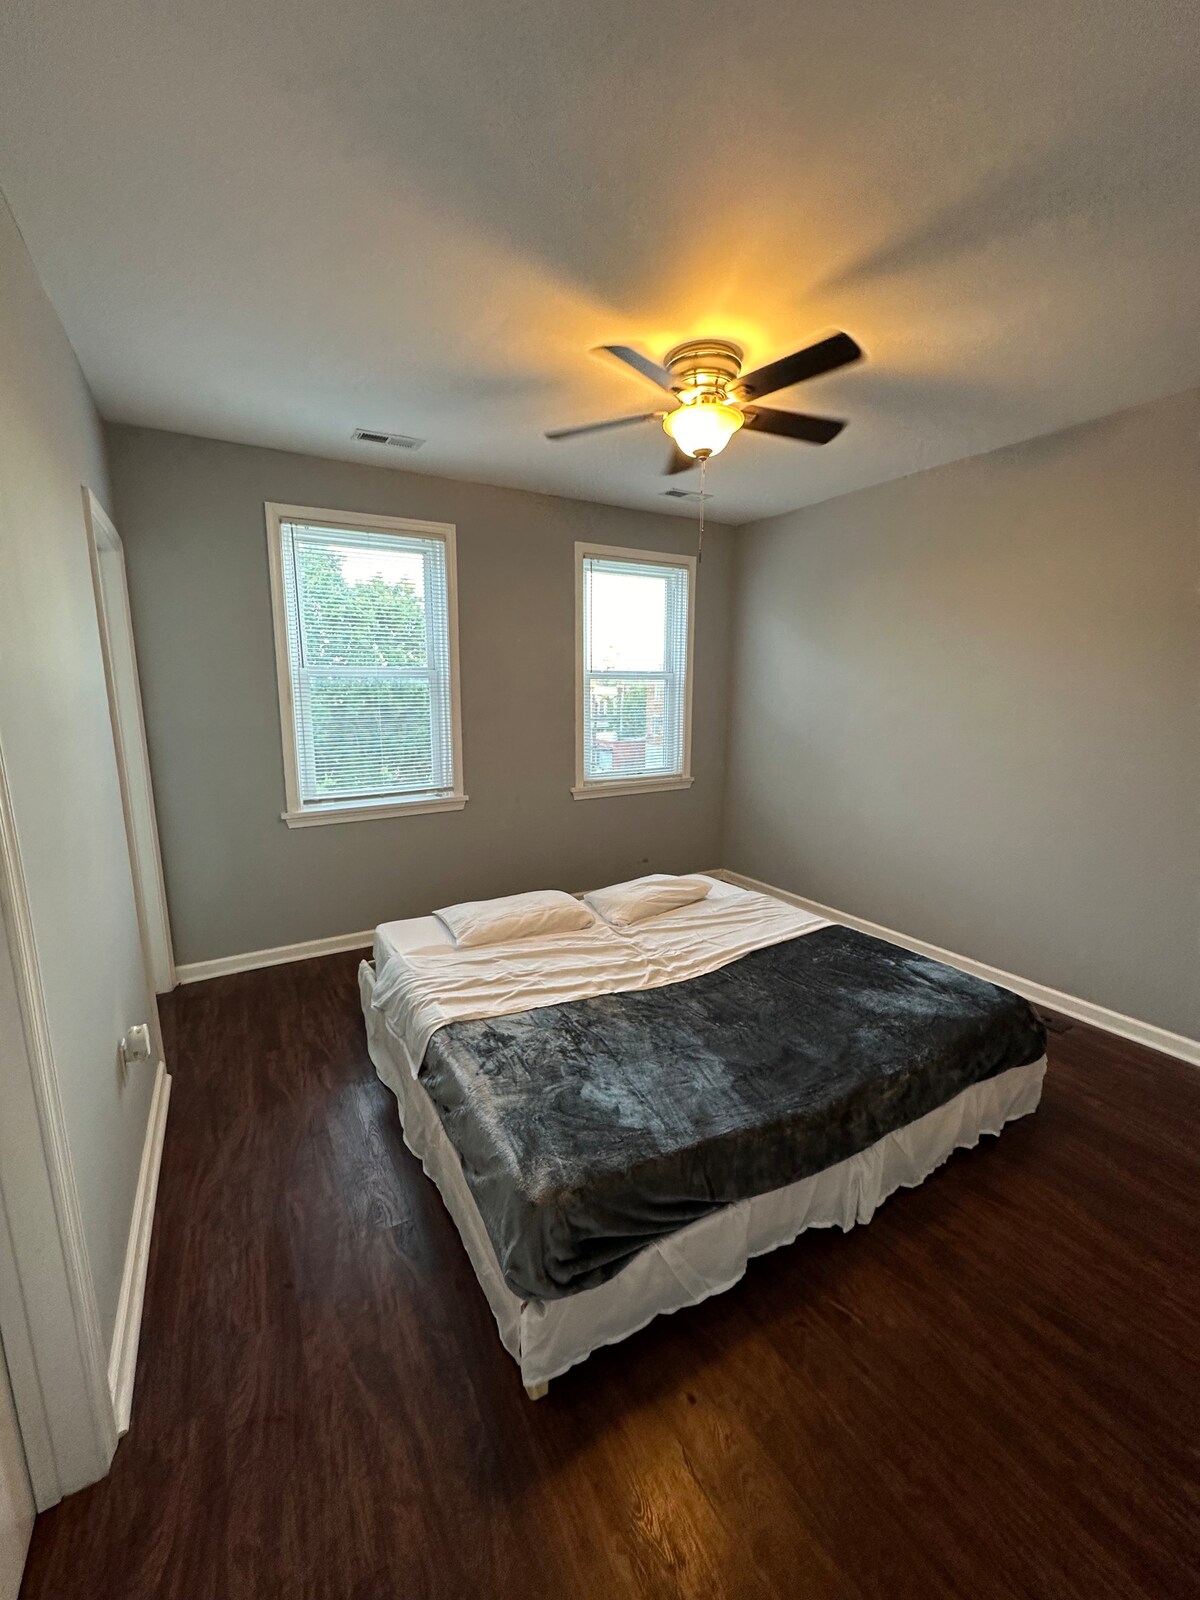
x,y
197,971
122,1360
1147,1033
1154,1038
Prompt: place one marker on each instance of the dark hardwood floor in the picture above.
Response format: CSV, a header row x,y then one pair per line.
x,y
989,1391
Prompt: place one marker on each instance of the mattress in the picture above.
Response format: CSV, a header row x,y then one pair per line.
x,y
546,1338
588,1129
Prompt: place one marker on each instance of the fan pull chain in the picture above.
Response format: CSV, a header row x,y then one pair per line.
x,y
700,541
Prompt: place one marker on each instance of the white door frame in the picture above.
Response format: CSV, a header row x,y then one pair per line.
x,y
129,736
49,1320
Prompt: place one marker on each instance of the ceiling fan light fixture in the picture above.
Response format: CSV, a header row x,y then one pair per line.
x,y
703,428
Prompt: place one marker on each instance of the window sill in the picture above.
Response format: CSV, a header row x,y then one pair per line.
x,y
596,791
316,816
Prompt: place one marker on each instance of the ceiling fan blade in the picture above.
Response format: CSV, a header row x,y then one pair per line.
x,y
600,427
678,462
640,363
839,350
792,424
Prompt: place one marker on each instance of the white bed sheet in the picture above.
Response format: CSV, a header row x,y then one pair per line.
x,y
547,1337
422,984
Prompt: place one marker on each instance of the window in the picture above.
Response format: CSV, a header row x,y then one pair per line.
x,y
367,650
633,619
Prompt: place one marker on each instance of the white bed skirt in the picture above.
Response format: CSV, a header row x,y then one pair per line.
x,y
546,1337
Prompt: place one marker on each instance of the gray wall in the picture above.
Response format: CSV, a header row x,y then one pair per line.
x,y
966,705
190,513
58,754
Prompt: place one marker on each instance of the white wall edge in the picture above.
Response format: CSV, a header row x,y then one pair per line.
x,y
1145,1033
122,1357
197,971
86,1456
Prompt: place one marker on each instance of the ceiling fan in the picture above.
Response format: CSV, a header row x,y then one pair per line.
x,y
714,398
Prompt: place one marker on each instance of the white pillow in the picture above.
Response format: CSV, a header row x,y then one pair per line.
x,y
514,916
626,903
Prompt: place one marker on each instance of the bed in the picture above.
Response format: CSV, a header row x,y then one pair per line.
x,y
619,1119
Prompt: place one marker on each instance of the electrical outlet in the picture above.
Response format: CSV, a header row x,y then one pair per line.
x,y
136,1046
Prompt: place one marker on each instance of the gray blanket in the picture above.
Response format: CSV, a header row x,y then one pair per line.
x,y
588,1129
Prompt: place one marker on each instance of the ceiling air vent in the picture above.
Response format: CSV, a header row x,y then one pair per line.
x,y
399,441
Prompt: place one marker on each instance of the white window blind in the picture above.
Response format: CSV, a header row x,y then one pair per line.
x,y
366,617
634,637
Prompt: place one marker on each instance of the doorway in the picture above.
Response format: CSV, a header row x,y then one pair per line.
x,y
129,736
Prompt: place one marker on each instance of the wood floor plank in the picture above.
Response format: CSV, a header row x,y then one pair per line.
x,y
992,1390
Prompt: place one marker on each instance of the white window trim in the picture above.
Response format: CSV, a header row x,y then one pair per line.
x,y
299,814
597,788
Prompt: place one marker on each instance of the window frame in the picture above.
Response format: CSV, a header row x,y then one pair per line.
x,y
300,813
586,788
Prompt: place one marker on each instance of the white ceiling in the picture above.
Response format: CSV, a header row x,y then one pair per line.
x,y
277,220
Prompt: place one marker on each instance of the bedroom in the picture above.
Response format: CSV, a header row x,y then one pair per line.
x,y
874,1067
